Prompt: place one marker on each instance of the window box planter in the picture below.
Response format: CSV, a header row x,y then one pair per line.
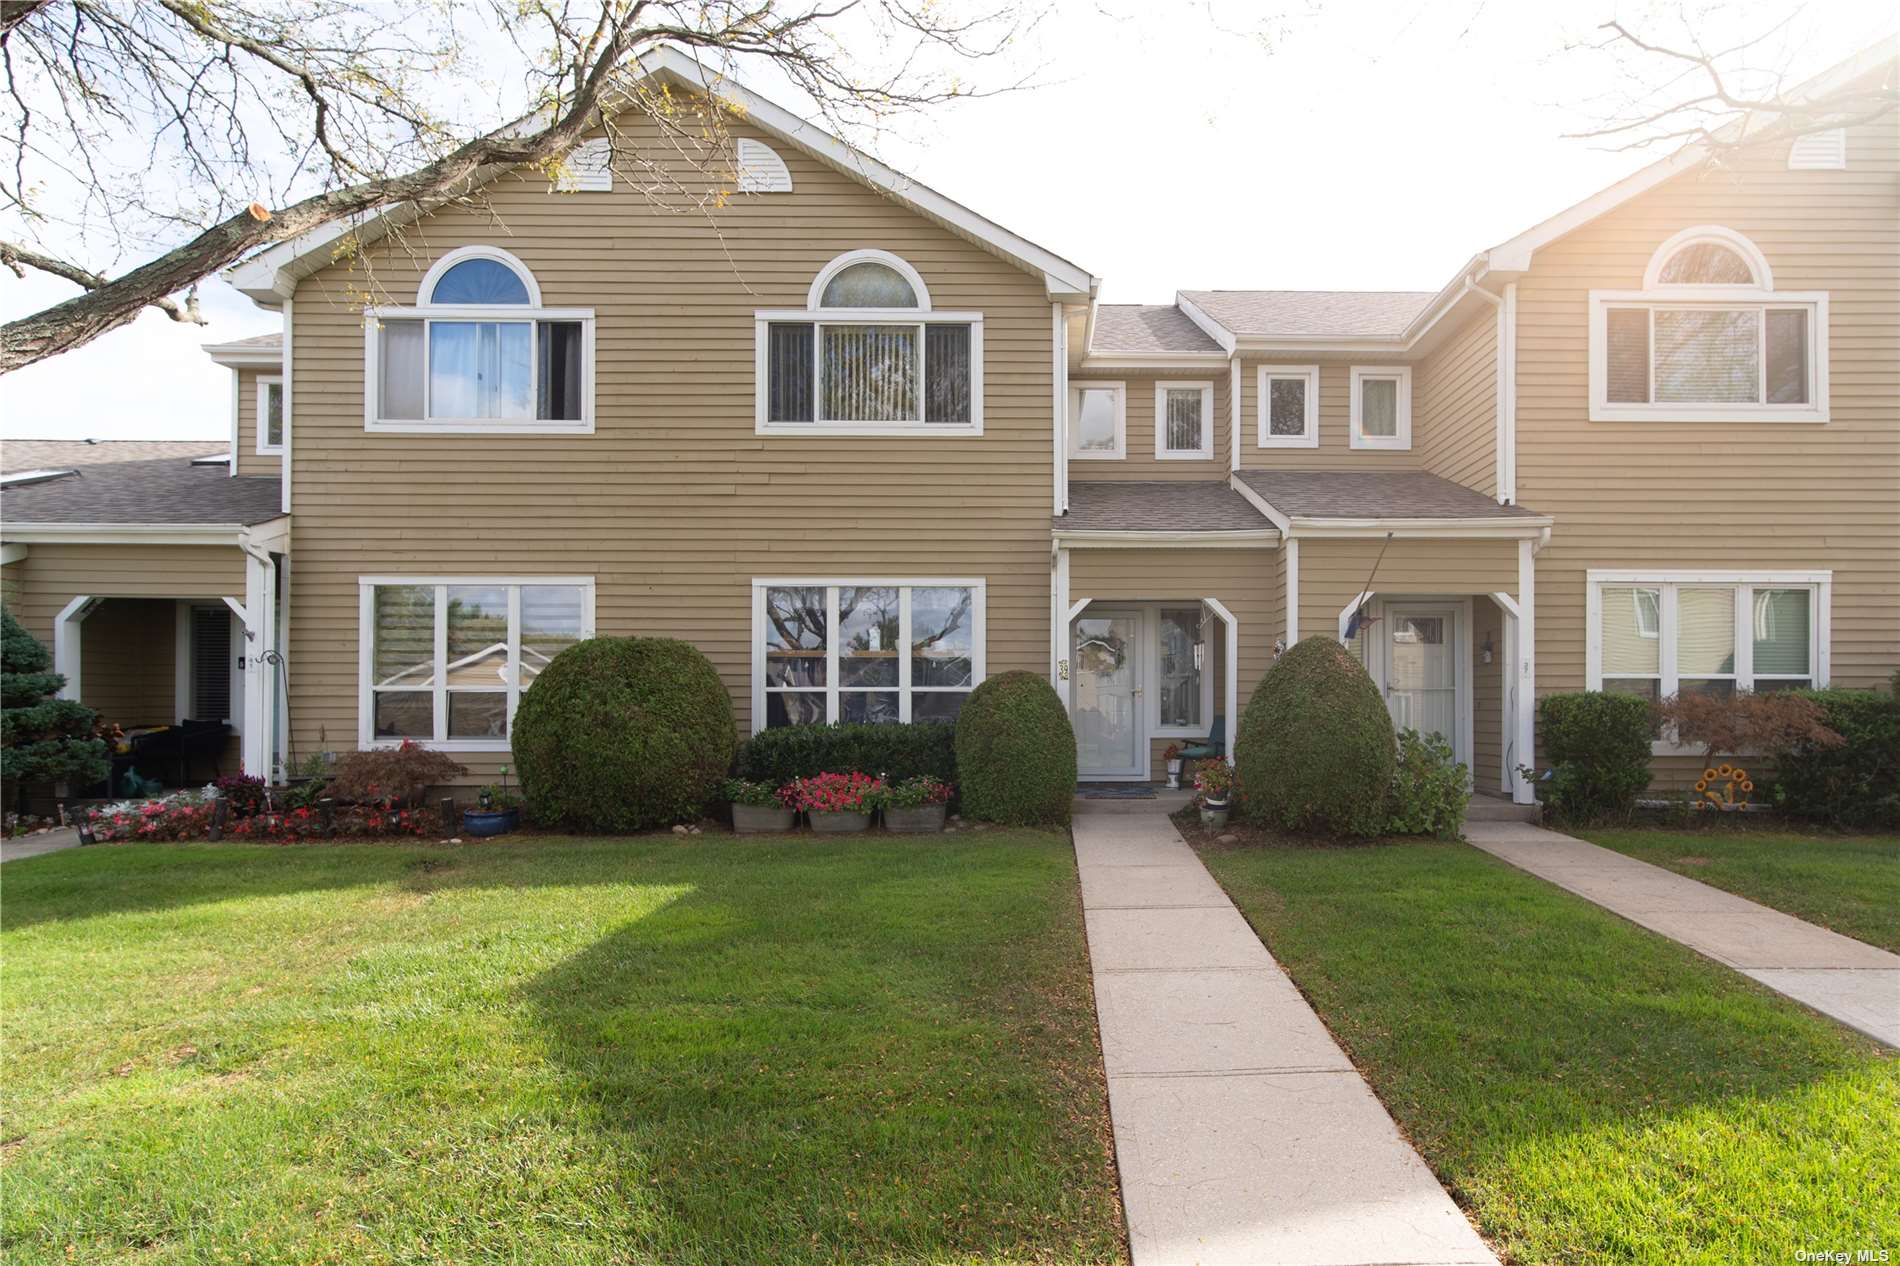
x,y
482,823
924,819
839,822
754,819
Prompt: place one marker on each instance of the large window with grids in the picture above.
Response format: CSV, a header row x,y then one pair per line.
x,y
444,660
1654,634
869,355
871,651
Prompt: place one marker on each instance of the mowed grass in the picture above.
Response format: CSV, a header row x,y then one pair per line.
x,y
1591,1092
630,1051
1850,883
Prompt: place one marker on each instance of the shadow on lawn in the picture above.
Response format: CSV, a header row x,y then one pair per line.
x,y
872,1055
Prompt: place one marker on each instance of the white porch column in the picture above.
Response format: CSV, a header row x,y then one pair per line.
x,y
1058,620
1292,551
1526,684
1232,700
260,638
66,642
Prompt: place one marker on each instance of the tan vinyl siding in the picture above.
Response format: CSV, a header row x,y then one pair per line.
x,y
1246,581
1487,694
250,461
128,648
1334,572
1335,451
1454,406
1140,461
1709,496
674,505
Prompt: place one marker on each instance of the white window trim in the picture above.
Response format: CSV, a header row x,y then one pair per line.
x,y
979,636
844,261
426,291
1205,451
819,317
503,314
1151,638
265,448
1677,297
1120,451
1716,235
1309,438
366,739
1401,442
182,658
1820,656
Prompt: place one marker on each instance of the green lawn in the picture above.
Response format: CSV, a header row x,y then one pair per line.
x,y
1593,1093
1850,883
632,1051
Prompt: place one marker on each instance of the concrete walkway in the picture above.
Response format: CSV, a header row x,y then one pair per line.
x,y
1243,1133
1838,976
34,845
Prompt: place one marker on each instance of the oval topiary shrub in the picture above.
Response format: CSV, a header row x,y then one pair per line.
x,y
1016,752
1315,749
623,734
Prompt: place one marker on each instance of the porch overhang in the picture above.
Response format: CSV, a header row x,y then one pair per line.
x,y
1414,505
1265,538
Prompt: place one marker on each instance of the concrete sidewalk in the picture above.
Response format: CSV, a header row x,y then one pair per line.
x,y
34,845
1243,1133
1838,976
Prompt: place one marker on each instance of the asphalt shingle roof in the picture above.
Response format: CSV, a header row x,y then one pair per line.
x,y
19,455
170,490
1171,506
1393,494
1312,313
1133,328
258,342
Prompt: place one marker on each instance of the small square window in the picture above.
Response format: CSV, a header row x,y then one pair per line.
x,y
1289,406
1382,406
1098,420
1184,421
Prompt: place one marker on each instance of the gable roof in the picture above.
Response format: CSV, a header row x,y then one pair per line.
x,y
1128,329
270,276
1348,314
170,491
1175,505
20,455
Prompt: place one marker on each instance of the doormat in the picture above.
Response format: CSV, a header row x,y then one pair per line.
x,y
1116,791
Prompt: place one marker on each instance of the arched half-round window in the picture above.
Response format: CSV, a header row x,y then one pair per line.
x,y
869,279
479,275
1708,255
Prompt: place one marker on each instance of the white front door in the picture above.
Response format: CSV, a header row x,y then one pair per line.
x,y
1105,653
1421,678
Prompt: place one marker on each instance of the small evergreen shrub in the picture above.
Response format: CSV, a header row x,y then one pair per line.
x,y
1599,749
1430,788
1314,749
623,734
898,752
1855,783
42,738
1016,752
398,775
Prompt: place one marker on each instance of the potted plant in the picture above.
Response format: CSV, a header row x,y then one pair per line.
x,y
1173,757
917,805
498,810
838,802
1214,782
759,808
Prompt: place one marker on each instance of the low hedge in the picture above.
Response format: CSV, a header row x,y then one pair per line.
x,y
1315,750
1856,784
1016,752
623,734
899,752
1598,744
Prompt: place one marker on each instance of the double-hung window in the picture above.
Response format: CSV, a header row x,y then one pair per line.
x,y
480,354
1708,339
1656,635
1289,406
1184,420
871,651
444,659
868,355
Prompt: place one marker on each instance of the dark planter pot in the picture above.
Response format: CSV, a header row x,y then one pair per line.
x,y
756,819
925,819
482,823
1214,814
831,823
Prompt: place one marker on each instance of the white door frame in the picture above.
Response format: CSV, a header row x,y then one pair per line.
x,y
1379,654
1139,661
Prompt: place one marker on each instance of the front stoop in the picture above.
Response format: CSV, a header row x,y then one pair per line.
x,y
1243,1134
1484,808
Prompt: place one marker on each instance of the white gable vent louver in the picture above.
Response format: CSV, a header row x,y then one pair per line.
x,y
589,168
761,170
1819,151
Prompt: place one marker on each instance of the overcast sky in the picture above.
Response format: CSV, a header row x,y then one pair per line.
x,y
1375,144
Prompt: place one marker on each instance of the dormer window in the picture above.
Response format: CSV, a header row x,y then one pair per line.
x,y
868,355
1708,339
479,353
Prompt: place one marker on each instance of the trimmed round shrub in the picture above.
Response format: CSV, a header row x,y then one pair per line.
x,y
1315,749
1016,752
623,734
1598,745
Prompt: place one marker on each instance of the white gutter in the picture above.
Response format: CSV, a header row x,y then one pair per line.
x,y
1251,538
